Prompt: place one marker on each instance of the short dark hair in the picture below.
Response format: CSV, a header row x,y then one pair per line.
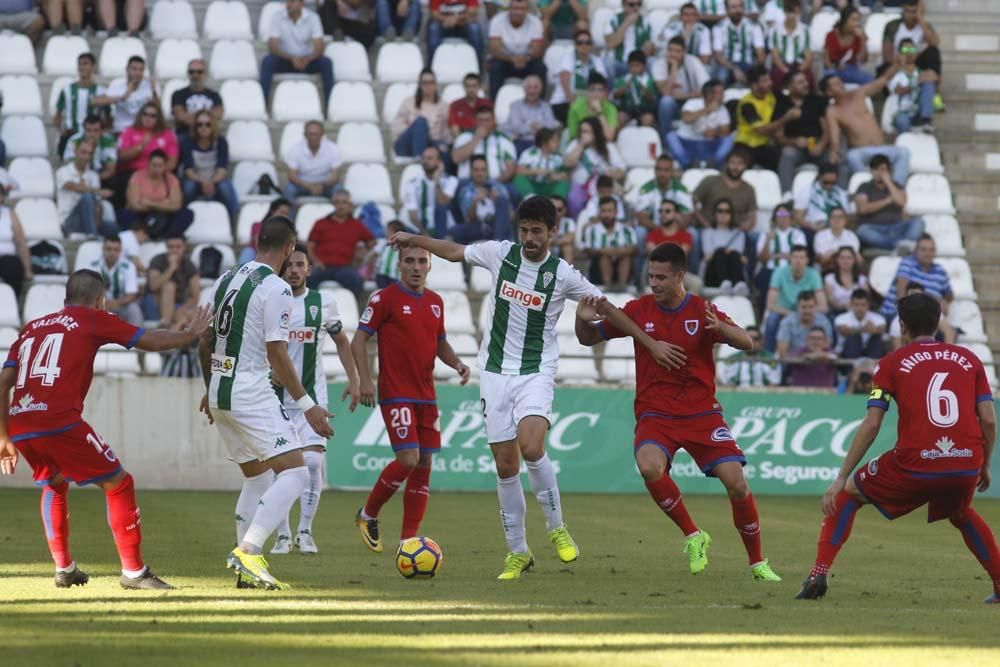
x,y
114,238
275,204
742,152
301,247
87,56
677,41
925,237
174,236
861,294
136,59
478,157
833,209
537,208
158,153
542,136
275,233
904,41
824,82
581,31
484,110
756,73
806,295
607,199
637,56
688,5
595,78
909,3
709,85
817,328
828,168
913,286
84,287
604,181
878,160
141,226
473,76
91,118
789,75
670,253
921,313
798,248
395,225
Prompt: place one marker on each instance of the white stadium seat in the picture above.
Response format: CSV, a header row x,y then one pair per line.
x,y
115,53
618,363
882,273
960,275
635,178
268,11
226,250
116,361
247,173
480,280
21,95
233,59
925,156
734,94
352,101
87,253
446,276
369,182
33,176
457,311
347,306
211,223
43,300
243,99
61,53
39,218
765,186
738,308
350,61
639,146
452,61
8,307
966,316
985,355
150,249
307,215
295,100
858,179
169,88
18,54
658,18
801,186
249,140
291,134
173,56
466,348
576,361
57,86
173,18
361,142
7,337
553,58
227,20
250,213
399,62
928,194
506,96
454,91
874,31
393,98
692,177
947,236
599,25
822,23
409,173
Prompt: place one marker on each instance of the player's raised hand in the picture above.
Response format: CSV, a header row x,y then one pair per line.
x,y
830,497
204,407
984,479
8,456
711,317
319,419
400,238
668,355
464,372
354,392
200,320
367,394
586,309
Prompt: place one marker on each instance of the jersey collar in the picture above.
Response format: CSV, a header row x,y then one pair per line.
x,y
684,302
407,290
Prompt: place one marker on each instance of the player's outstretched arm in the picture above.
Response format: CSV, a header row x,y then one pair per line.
x,y
446,353
988,424
8,453
666,354
359,350
159,340
586,323
863,439
284,372
449,250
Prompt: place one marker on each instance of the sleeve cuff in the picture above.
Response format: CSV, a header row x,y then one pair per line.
x,y
10,364
367,329
982,398
442,337
135,338
881,405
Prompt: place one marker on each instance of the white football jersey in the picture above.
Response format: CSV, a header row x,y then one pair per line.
x,y
313,313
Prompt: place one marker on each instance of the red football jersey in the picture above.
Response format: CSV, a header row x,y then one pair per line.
x,y
937,387
409,327
689,390
54,358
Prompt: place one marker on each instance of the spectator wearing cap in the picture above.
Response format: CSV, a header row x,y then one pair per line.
x,y
704,133
635,94
595,104
629,31
679,78
738,43
573,74
454,18
295,44
517,44
880,204
529,115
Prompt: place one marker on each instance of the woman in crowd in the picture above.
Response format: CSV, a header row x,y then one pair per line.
x,y
15,260
148,133
205,160
421,120
724,247
846,49
843,280
590,155
154,194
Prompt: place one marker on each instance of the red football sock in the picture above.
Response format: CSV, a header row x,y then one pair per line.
x,y
748,524
55,518
123,517
834,531
981,542
668,497
415,501
388,483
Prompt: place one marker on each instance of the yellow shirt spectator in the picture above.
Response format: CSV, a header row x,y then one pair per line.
x,y
751,113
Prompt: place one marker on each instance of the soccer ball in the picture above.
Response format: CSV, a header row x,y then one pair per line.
x,y
419,558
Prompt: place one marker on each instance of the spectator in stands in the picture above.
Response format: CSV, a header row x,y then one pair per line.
x,y
913,26
846,49
729,185
564,244
427,197
540,168
680,77
561,19
147,134
724,247
859,330
132,240
517,44
387,264
454,18
313,165
664,186
946,333
484,209
774,248
669,229
704,133
529,115
15,259
611,246
573,74
813,210
787,282
803,136
174,283
711,11
155,195
421,120
636,94
864,135
295,44
604,186
354,18
738,43
132,11
915,90
79,195
829,241
768,13
788,44
122,281
696,37
756,124
195,97
815,362
105,154
755,367
795,326
205,164
22,16
844,279
462,112
333,244
628,31
279,206
129,95
881,220
397,17
76,101
920,268
590,155
499,151
595,104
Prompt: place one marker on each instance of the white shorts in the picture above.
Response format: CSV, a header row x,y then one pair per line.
x,y
307,435
257,435
507,399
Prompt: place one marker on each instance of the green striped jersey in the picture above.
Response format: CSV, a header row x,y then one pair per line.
x,y
121,279
313,313
252,307
388,261
792,47
75,103
524,306
638,34
649,197
597,236
534,158
737,42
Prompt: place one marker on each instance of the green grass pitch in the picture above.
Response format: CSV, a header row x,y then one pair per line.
x,y
903,593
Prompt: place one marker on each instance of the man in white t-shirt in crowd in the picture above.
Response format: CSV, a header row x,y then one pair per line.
x,y
313,165
696,36
859,330
516,44
496,147
427,197
132,240
295,45
679,76
121,280
828,242
127,95
79,195
704,134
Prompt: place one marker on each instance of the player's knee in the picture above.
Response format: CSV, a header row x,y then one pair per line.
x,y
650,470
738,490
408,458
508,468
958,519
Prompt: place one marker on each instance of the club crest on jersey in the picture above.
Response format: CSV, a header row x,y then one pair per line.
x,y
547,279
530,299
313,311
401,432
691,326
722,434
436,309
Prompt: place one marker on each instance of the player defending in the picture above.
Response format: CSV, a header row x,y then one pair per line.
x,y
313,313
409,322
50,367
518,359
677,409
247,347
946,433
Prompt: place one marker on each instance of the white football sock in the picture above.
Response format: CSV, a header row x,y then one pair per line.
x,y
512,511
283,527
543,483
253,490
274,506
309,502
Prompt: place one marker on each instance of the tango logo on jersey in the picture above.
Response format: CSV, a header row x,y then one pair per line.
x,y
27,404
547,279
691,326
223,365
313,311
945,450
530,299
301,335
722,434
436,309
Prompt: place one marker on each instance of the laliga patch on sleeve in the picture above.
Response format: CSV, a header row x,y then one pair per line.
x,y
366,316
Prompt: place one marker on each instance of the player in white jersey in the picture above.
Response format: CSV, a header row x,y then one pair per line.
x,y
518,361
313,313
244,350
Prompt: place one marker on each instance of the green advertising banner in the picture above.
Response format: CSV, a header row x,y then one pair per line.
x,y
794,443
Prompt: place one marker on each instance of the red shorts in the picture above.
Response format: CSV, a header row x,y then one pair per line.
x,y
705,437
79,454
896,492
412,426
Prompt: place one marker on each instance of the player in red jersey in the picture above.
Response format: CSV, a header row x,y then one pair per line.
x,y
677,409
409,322
946,433
50,367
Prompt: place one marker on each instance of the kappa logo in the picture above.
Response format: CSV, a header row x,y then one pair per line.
x,y
313,311
280,442
691,326
649,327
722,434
436,309
407,310
547,279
